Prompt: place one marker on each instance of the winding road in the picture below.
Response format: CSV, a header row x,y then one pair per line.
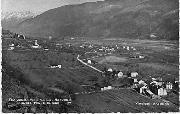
x,y
88,64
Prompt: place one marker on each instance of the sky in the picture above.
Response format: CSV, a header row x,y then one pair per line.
x,y
37,5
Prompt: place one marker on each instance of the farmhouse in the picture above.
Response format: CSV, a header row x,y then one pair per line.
x,y
162,92
106,88
141,57
56,66
120,75
153,36
134,74
134,79
11,47
110,70
142,82
36,45
46,49
157,83
89,62
142,89
169,86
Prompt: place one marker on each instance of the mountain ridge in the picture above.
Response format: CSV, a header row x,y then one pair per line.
x,y
109,18
11,18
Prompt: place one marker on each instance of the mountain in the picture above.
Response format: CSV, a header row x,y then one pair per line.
x,y
11,19
109,18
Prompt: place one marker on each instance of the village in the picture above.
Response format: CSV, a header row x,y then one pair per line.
x,y
100,58
151,87
154,88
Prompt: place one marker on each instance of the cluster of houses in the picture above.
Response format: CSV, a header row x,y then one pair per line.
x,y
11,47
153,88
129,48
107,49
20,36
137,55
56,66
106,88
100,48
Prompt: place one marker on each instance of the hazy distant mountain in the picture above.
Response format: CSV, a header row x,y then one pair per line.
x,y
109,18
11,19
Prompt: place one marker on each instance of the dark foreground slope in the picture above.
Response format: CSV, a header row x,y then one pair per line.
x,y
109,18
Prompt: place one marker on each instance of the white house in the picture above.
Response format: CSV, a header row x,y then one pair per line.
x,y
36,45
160,83
141,57
105,88
46,49
11,48
58,66
154,82
162,92
102,89
142,82
109,87
153,36
11,45
89,62
153,79
110,70
157,83
127,47
135,80
120,75
169,85
134,74
142,89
